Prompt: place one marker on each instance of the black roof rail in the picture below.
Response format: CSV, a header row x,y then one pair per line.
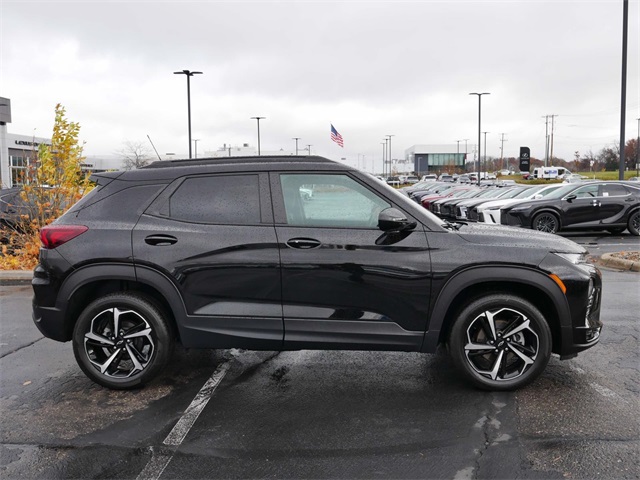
x,y
239,160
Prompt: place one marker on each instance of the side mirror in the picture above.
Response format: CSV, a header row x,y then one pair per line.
x,y
570,198
392,219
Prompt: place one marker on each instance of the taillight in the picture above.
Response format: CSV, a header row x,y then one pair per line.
x,y
52,236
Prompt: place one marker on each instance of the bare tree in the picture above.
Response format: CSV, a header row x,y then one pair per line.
x,y
134,155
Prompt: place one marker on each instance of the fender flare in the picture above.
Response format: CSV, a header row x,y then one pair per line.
x,y
122,271
524,276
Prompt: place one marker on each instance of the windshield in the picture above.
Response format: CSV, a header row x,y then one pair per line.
x,y
515,193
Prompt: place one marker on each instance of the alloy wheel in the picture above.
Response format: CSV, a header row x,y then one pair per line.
x,y
119,343
501,344
546,223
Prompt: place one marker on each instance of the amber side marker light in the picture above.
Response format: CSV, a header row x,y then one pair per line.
x,y
556,279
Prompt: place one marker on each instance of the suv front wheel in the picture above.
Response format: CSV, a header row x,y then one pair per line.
x,y
122,340
500,342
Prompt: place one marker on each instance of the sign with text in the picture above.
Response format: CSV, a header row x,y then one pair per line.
x,y
525,155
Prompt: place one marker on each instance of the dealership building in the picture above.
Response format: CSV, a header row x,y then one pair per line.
x,y
18,152
436,159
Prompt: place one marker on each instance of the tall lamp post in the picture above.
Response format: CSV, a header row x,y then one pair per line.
x,y
479,127
296,139
384,154
189,74
258,120
390,154
309,148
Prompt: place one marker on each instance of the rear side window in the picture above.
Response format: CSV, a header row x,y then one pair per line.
x,y
613,190
223,199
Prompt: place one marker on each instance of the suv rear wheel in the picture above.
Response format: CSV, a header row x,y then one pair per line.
x,y
122,340
500,342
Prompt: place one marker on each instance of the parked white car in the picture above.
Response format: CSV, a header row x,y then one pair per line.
x,y
489,212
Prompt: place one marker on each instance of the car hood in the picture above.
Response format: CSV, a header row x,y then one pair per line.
x,y
517,237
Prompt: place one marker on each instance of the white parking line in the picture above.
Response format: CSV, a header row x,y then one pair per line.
x,y
153,470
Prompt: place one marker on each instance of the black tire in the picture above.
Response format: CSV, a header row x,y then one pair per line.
x,y
546,222
616,230
508,355
634,223
127,355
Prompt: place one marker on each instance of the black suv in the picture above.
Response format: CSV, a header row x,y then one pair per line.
x,y
290,253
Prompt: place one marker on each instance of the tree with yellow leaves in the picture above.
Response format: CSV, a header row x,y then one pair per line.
x,y
52,183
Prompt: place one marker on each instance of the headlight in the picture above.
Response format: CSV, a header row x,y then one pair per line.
x,y
575,258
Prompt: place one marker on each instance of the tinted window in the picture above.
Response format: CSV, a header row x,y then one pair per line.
x,y
613,190
587,192
224,199
329,201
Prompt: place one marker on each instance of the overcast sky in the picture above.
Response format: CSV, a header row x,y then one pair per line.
x,y
370,68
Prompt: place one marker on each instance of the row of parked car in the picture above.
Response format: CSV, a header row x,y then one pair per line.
x,y
612,206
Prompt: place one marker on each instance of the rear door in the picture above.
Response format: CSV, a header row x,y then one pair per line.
x,y
345,284
213,236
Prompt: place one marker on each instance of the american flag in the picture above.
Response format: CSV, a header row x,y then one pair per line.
x,y
336,137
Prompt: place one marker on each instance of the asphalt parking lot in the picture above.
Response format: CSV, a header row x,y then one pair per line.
x,y
320,414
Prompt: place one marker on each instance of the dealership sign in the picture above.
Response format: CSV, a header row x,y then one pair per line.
x,y
525,155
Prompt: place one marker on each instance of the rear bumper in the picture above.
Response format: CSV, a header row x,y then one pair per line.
x,y
50,322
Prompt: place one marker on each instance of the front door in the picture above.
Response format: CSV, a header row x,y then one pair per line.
x,y
346,284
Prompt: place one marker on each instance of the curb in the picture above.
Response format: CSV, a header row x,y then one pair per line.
x,y
16,277
608,260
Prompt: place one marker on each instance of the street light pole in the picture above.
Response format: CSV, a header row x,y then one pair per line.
x,y
384,154
309,148
479,127
258,120
296,139
390,154
189,74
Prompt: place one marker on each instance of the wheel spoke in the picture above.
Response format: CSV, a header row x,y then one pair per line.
x,y
116,320
136,363
523,326
492,324
477,346
496,366
142,333
110,360
527,361
99,339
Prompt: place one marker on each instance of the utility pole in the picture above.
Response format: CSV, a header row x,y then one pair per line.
x,y
384,157
296,139
546,140
502,140
552,127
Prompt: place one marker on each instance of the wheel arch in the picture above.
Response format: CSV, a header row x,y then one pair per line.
x,y
550,210
467,285
93,281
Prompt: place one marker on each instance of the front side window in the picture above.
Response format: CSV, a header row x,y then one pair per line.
x,y
222,200
332,200
589,191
